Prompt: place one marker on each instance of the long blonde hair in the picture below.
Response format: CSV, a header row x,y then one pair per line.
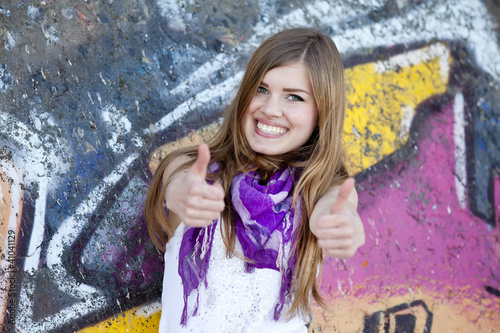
x,y
322,157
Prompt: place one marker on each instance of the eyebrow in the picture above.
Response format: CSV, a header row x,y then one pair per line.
x,y
287,89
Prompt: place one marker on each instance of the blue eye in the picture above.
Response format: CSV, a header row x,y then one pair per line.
x,y
295,98
261,90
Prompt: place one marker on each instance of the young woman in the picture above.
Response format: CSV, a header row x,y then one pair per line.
x,y
251,215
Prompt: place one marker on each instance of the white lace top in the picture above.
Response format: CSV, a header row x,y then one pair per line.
x,y
235,301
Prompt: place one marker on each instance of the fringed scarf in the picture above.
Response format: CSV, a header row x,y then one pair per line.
x,y
265,225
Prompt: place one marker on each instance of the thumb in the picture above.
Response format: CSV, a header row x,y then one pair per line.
x,y
201,164
344,192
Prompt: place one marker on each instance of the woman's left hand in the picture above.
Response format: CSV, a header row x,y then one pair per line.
x,y
338,227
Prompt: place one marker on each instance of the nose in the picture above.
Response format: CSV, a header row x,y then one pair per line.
x,y
272,108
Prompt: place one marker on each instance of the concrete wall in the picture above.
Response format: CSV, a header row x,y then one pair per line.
x,y
93,93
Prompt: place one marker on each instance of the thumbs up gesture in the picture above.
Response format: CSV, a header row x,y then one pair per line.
x,y
191,198
336,223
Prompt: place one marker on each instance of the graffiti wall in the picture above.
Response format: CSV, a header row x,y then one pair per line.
x,y
93,93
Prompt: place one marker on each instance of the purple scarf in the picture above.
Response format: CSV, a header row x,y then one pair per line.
x,y
265,224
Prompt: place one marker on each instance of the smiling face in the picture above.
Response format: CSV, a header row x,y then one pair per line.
x,y
282,115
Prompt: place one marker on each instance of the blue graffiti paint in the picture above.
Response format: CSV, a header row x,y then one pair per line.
x,y
486,154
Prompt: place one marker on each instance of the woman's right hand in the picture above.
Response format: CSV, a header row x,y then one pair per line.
x,y
191,198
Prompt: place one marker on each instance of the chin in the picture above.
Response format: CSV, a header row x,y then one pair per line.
x,y
268,152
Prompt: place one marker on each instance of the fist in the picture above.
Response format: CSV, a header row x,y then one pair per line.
x,y
335,231
188,195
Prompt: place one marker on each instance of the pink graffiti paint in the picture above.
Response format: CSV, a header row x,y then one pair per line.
x,y
496,192
417,233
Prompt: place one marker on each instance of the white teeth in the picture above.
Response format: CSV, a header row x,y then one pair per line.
x,y
270,129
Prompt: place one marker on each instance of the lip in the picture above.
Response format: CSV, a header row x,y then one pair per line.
x,y
269,123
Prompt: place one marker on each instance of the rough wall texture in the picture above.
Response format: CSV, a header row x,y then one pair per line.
x,y
92,93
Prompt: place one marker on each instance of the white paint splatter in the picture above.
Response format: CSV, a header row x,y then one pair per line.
x,y
220,90
116,119
37,123
203,73
102,79
90,97
407,114
175,12
6,78
137,141
5,12
416,57
333,15
460,158
33,151
119,126
11,42
99,98
51,32
67,12
32,260
33,13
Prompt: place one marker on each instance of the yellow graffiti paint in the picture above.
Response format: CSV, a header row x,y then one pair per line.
x,y
382,97
351,313
140,320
